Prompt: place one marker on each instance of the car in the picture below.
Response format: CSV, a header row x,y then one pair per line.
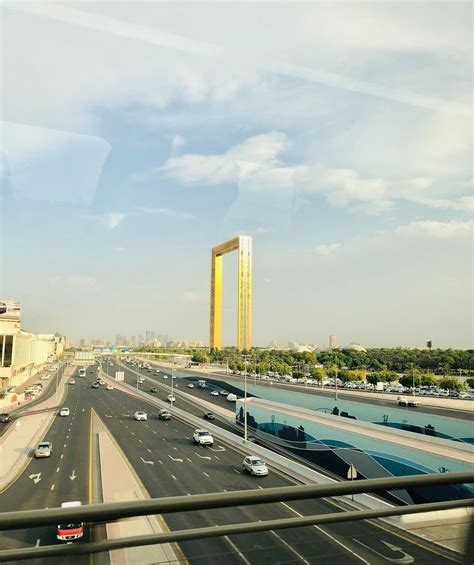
x,y
157,371
232,397
404,401
164,415
223,392
255,466
165,376
190,385
171,398
44,377
214,393
110,387
44,449
95,384
141,380
72,382
70,531
153,389
140,415
64,412
209,416
5,418
100,381
202,437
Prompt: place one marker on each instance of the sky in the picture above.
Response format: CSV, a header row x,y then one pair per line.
x,y
137,136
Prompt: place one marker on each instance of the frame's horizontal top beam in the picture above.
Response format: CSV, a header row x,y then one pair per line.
x,y
230,245
228,529
114,510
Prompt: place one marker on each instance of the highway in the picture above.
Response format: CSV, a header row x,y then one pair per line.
x,y
168,463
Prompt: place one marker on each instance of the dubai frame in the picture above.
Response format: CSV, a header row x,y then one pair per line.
x,y
243,245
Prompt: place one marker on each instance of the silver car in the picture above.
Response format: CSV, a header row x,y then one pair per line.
x,y
44,449
255,466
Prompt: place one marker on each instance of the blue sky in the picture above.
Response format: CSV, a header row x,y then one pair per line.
x,y
136,136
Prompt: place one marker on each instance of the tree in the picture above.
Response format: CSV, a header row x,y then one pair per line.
x,y
470,382
317,373
451,383
200,357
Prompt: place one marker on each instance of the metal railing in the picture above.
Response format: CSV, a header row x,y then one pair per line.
x,y
108,512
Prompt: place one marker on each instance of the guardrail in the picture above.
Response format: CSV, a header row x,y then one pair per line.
x,y
117,510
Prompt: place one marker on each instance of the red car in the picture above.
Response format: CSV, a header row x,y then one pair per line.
x,y
70,531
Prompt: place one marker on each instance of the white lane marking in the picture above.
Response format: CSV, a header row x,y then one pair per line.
x,y
237,551
163,438
205,474
237,471
288,546
36,478
52,487
160,462
217,457
38,542
73,476
335,540
140,441
189,459
62,455
148,462
406,558
149,450
175,448
174,477
57,470
64,445
202,456
173,459
219,448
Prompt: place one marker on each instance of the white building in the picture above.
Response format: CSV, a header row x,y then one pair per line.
x,y
23,354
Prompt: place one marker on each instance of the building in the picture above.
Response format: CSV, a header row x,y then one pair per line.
x,y
147,336
23,354
332,342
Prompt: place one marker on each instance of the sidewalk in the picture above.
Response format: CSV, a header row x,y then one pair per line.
x,y
17,442
120,483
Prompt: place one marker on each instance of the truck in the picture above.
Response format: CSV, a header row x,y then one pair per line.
x,y
70,531
202,384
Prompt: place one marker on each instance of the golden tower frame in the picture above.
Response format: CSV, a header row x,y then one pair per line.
x,y
242,244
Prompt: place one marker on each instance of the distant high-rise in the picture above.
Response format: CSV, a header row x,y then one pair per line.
x,y
82,343
147,336
140,339
164,339
152,336
133,339
332,342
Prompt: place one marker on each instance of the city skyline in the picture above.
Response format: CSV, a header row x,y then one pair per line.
x,y
346,154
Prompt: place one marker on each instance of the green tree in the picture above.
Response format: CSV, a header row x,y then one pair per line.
x,y
318,373
200,357
470,382
451,383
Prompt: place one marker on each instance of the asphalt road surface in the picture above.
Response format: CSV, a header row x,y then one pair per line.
x,y
169,464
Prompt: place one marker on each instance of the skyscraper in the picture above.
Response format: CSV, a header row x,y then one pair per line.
x,y
153,334
147,336
332,342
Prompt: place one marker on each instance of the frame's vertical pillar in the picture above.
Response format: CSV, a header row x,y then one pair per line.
x,y
244,318
216,301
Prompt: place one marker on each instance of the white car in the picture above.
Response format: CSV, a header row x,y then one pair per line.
x,y
44,377
404,401
165,376
214,393
171,398
190,385
64,412
141,381
255,466
140,415
110,387
202,437
72,382
232,397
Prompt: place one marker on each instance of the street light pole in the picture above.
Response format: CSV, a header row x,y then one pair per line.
x,y
336,380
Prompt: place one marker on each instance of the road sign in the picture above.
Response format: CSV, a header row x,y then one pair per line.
x,y
119,376
352,473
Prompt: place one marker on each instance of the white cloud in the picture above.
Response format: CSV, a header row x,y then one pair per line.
x,y
74,281
165,212
257,153
327,249
113,219
177,142
192,296
455,229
